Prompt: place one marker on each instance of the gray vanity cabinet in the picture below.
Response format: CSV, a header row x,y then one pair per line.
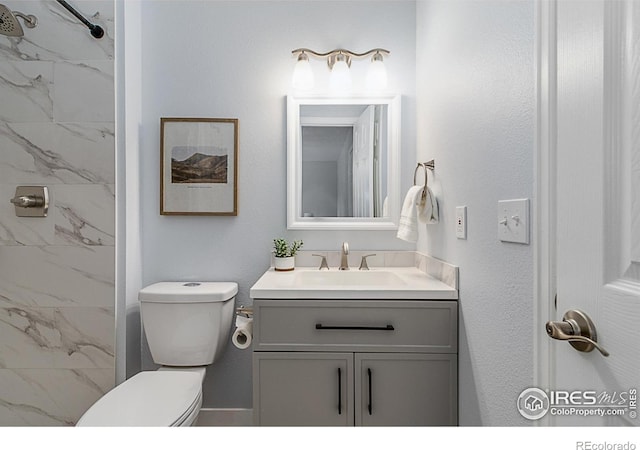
x,y
306,389
355,362
401,389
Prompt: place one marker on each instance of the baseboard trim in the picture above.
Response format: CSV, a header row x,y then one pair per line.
x,y
225,417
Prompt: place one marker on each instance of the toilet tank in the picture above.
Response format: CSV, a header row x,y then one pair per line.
x,y
187,323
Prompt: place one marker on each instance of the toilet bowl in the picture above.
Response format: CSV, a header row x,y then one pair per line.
x,y
187,326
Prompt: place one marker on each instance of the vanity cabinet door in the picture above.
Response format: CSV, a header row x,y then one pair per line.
x,y
305,389
400,389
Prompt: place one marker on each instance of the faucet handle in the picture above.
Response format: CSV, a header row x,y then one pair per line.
x,y
363,262
323,262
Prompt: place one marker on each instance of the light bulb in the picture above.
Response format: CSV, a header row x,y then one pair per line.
x,y
302,74
340,78
377,74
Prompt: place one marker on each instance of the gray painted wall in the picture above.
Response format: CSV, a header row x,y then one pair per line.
x,y
233,59
475,115
320,187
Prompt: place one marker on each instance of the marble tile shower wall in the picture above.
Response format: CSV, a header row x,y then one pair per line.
x,y
57,286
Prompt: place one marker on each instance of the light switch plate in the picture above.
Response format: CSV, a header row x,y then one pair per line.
x,y
513,221
461,222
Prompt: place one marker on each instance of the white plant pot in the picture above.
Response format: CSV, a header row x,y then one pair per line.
x,y
285,264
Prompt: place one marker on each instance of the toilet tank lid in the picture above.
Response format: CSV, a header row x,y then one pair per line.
x,y
188,292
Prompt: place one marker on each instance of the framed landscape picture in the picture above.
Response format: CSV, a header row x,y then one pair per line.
x,y
198,166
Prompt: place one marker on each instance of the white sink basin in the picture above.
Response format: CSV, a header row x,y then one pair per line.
x,y
378,283
347,278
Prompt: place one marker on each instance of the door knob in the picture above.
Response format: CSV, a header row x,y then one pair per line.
x,y
578,329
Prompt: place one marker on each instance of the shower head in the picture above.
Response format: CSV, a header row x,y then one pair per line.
x,y
9,25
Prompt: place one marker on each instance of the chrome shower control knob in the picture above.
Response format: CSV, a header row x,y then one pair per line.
x,y
31,201
27,201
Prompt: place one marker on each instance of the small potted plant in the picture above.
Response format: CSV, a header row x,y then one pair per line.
x,y
285,254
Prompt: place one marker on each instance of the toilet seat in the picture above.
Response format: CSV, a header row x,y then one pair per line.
x,y
160,398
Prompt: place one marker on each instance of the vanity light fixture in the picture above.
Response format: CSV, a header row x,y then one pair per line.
x,y
302,73
377,73
339,62
340,78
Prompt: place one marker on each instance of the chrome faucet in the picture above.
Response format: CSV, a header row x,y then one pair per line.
x,y
344,261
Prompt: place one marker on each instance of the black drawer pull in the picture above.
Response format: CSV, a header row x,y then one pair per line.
x,y
370,405
339,390
319,326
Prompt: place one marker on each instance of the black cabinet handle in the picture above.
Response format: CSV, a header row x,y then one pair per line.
x,y
319,326
370,406
339,390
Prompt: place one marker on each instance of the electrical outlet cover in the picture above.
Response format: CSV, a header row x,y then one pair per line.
x,y
461,222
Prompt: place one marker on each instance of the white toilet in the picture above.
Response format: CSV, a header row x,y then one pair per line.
x,y
187,326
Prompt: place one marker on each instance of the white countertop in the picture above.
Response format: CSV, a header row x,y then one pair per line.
x,y
406,283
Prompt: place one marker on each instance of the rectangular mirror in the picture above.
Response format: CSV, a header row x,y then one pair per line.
x,y
343,162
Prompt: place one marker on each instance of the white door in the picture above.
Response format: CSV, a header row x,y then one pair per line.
x,y
363,164
598,210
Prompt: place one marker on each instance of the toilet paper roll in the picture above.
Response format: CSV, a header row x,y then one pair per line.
x,y
243,335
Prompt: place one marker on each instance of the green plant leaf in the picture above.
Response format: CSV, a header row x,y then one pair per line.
x,y
281,248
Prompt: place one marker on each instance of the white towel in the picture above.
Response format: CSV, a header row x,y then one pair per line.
x,y
428,209
408,228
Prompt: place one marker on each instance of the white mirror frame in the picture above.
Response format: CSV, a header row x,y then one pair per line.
x,y
295,221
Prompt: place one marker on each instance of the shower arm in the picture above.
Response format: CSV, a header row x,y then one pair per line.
x,y
30,21
96,30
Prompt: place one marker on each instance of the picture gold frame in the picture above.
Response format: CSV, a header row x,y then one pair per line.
x,y
198,166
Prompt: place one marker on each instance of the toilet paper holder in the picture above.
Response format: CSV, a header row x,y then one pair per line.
x,y
243,334
246,311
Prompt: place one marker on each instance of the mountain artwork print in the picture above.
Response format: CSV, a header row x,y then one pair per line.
x,y
198,165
